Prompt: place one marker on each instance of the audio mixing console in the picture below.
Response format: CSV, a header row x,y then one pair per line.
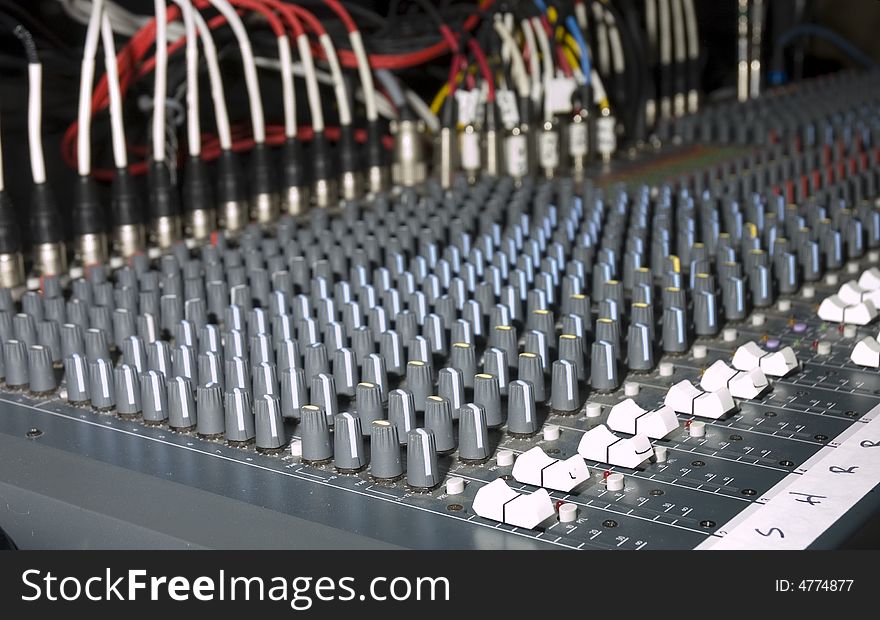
x,y
676,352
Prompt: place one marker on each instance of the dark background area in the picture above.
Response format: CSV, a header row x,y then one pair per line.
x,y
60,41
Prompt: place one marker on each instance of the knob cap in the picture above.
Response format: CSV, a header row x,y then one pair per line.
x,y
348,444
368,402
438,417
564,393
181,405
293,392
522,417
100,384
269,425
127,386
473,435
402,412
450,385
76,372
211,421
487,395
317,447
385,462
422,470
154,398
239,420
41,374
531,371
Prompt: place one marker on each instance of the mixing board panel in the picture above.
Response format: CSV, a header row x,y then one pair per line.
x,y
376,376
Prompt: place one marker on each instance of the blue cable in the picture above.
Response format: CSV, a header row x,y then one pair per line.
x,y
575,31
829,35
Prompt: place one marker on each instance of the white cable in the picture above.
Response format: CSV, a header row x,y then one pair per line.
x,y
160,82
339,81
534,67
35,122
602,51
651,24
215,79
580,14
250,68
679,34
123,21
86,80
364,72
665,33
314,95
518,66
547,61
690,17
618,60
193,127
117,123
423,110
287,93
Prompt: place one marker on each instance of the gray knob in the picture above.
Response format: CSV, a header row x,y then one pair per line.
x,y
76,373
217,296
571,348
531,371
239,418
185,334
261,349
334,337
127,386
78,312
464,359
504,337
316,361
72,340
182,414
345,371
134,353
32,305
639,348
422,469
391,350
348,444
761,285
159,358
55,309
147,328
438,417
184,362
435,332
171,311
154,397
25,328
362,343
450,385
16,360
269,425
368,402
402,411
238,375
419,381
287,355
41,374
473,435
283,329
293,392
211,369
487,395
323,394
195,309
317,447
211,421
705,313
542,321
257,322
495,364
235,345
265,381
307,332
373,371
733,294
100,384
564,392
123,325
674,330
603,370
385,460
96,344
522,417
609,330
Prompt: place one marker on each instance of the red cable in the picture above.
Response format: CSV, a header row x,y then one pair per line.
x,y
484,68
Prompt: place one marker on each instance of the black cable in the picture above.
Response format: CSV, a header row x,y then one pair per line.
x,y
24,36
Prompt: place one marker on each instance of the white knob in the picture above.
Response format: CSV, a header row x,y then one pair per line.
x,y
551,432
660,453
504,458
454,486
850,331
568,513
808,292
852,267
758,319
784,305
729,334
296,448
831,279
823,348
630,388
697,429
614,482
666,369
700,351
594,410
